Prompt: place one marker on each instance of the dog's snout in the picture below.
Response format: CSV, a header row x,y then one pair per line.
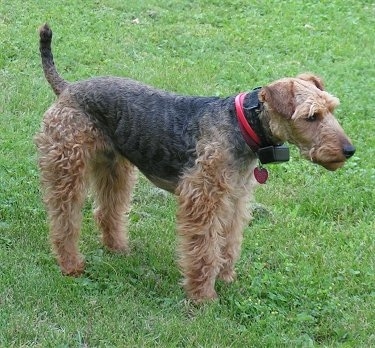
x,y
348,150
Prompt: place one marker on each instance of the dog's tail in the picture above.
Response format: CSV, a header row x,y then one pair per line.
x,y
57,83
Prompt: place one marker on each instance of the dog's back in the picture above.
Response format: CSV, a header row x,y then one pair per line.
x,y
156,130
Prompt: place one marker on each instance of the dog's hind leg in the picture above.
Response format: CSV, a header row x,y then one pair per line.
x,y
65,145
113,178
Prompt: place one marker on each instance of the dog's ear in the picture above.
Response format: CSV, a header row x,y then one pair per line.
x,y
316,80
280,97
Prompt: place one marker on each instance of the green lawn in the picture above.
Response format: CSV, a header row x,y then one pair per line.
x,y
306,275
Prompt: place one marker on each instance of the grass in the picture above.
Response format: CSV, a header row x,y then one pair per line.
x,y
306,276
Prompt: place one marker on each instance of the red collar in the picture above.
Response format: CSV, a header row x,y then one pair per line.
x,y
251,138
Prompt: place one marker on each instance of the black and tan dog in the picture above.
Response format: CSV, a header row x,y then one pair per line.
x,y
202,149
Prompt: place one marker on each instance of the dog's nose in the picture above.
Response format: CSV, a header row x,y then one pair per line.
x,y
348,150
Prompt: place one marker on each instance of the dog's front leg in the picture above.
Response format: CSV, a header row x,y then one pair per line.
x,y
205,205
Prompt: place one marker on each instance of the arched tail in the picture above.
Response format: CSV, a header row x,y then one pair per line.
x,y
57,83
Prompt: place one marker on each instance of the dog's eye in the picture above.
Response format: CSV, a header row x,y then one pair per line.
x,y
312,118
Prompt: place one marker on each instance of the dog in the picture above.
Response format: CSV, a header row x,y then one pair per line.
x,y
205,150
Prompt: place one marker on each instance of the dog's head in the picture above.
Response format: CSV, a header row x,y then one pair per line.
x,y
300,111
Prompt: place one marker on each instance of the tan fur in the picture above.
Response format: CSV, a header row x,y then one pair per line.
x,y
322,141
212,199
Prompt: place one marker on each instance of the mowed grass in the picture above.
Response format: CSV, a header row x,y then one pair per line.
x,y
306,275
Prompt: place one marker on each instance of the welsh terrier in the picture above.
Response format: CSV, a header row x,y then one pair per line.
x,y
205,150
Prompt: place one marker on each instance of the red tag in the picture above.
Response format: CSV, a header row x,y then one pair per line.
x,y
261,175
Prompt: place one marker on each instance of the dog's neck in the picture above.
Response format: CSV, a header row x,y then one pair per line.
x,y
257,118
254,122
